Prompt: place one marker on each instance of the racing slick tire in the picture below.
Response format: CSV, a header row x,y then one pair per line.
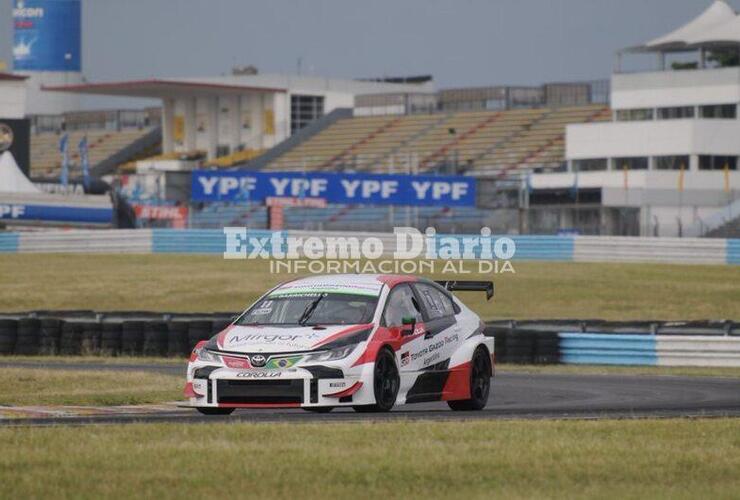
x,y
386,381
320,409
216,411
480,383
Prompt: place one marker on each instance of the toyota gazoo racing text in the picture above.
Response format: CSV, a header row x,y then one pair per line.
x,y
364,341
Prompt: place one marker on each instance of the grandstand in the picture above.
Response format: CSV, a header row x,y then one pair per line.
x,y
46,159
474,142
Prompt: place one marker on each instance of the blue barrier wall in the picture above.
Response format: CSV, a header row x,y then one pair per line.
x,y
733,252
197,240
8,242
607,349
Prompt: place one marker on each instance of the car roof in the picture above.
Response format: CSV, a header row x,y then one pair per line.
x,y
363,284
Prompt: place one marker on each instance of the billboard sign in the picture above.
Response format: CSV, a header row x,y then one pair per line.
x,y
15,136
47,35
339,188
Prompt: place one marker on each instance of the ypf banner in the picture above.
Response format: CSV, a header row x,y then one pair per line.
x,y
369,189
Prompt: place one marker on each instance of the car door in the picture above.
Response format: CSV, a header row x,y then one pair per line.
x,y
442,335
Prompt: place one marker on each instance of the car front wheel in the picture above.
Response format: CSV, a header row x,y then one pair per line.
x,y
386,381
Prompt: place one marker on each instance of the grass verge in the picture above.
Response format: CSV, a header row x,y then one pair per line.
x,y
34,387
513,459
683,371
187,283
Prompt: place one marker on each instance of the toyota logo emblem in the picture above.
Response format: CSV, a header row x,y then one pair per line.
x,y
258,360
6,137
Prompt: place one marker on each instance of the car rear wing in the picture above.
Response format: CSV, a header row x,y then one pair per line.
x,y
469,286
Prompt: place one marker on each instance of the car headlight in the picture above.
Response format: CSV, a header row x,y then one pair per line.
x,y
203,354
331,354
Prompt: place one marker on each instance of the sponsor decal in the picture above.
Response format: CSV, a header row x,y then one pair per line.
x,y
405,358
259,374
283,363
337,385
263,338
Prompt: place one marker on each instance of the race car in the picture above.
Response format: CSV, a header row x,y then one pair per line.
x,y
369,342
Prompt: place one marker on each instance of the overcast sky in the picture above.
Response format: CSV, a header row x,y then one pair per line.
x,y
460,42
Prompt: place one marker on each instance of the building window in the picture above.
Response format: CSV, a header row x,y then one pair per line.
x,y
304,109
631,115
707,162
675,113
719,111
589,165
672,162
637,163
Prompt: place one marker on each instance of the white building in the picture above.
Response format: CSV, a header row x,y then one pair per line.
x,y
223,115
671,150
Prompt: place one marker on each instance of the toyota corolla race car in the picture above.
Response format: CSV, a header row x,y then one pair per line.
x,y
364,341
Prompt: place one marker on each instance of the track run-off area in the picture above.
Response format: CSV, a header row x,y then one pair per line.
x,y
514,396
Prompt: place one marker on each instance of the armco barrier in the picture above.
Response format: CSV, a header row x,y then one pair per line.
x,y
9,242
607,349
733,252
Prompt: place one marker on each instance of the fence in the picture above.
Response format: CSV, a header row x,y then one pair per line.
x,y
547,248
166,334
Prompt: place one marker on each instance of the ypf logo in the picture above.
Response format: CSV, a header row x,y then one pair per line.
x,y
258,360
6,137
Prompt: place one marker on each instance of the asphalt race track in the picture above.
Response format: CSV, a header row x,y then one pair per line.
x,y
514,395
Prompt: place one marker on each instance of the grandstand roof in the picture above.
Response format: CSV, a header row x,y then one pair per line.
x,y
159,88
12,76
719,24
235,84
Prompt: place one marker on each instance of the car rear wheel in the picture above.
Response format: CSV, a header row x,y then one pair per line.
x,y
386,382
480,383
216,411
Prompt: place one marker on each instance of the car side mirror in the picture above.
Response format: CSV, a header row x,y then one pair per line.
x,y
409,323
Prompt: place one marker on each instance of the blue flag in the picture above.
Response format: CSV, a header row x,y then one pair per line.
x,y
64,149
84,161
529,183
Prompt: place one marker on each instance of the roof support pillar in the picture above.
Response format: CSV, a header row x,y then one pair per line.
x,y
235,125
190,125
213,110
168,124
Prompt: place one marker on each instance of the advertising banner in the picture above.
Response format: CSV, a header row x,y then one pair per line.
x,y
15,136
338,188
47,35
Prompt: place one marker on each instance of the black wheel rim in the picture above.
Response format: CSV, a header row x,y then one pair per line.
x,y
480,378
385,381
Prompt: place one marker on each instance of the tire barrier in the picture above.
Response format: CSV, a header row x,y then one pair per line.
x,y
8,334
140,333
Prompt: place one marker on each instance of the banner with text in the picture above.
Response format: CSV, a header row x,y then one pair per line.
x,y
339,188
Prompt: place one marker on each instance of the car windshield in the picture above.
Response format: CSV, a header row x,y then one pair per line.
x,y
311,309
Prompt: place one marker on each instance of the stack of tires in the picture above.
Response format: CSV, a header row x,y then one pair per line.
x,y
198,330
156,339
8,334
51,331
28,339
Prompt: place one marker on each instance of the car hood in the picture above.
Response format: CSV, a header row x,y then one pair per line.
x,y
273,339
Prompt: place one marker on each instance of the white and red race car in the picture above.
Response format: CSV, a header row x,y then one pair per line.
x,y
363,341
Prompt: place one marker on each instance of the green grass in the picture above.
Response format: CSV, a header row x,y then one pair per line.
x,y
96,360
682,371
210,283
35,387
507,459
